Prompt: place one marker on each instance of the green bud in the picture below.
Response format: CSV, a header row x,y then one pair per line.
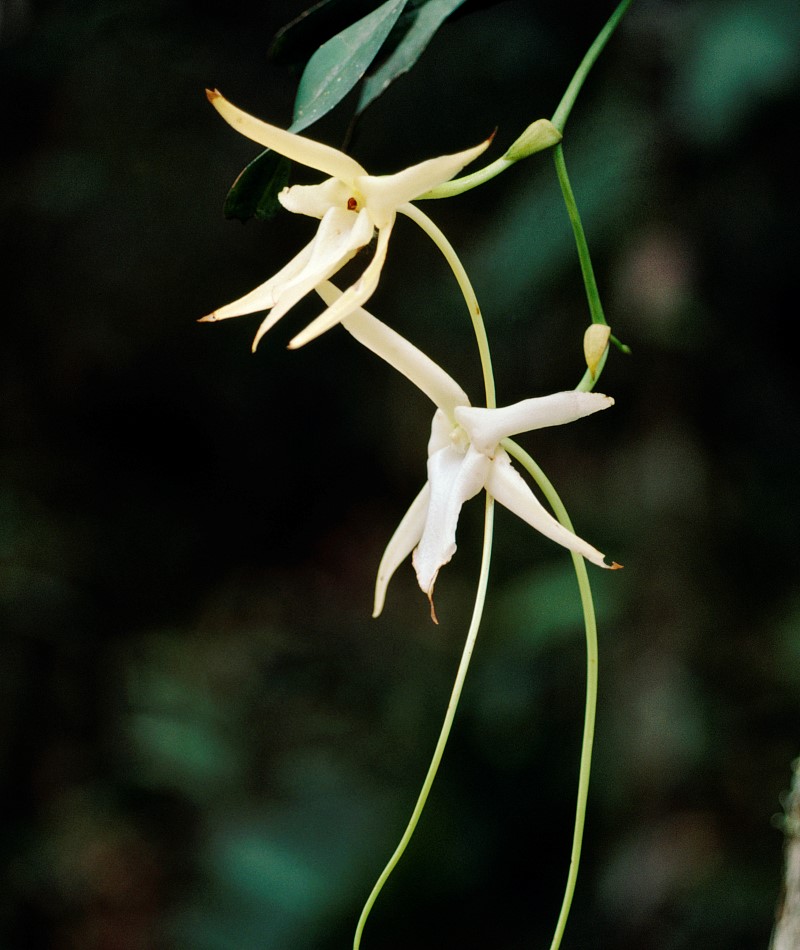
x,y
539,135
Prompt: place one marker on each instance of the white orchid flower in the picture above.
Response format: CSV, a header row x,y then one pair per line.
x,y
350,204
464,456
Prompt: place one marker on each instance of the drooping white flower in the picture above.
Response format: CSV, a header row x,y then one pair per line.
x,y
464,456
351,206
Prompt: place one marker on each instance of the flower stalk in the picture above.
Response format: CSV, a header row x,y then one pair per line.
x,y
560,116
590,702
444,734
465,284
587,271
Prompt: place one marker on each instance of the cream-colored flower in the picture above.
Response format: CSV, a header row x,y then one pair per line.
x,y
464,456
351,206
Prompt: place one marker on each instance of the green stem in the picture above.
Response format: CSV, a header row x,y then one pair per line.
x,y
466,656
592,293
447,249
588,382
561,114
590,711
439,239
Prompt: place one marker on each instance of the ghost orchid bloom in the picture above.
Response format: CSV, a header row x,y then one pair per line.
x,y
350,204
464,456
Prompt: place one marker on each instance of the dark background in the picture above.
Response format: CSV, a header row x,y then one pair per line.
x,y
205,741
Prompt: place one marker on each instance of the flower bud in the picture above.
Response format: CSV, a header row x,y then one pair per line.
x,y
539,135
595,342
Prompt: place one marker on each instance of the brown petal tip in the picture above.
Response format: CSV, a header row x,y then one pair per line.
x,y
208,318
212,94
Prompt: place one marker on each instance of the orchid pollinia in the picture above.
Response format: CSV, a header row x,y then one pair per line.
x,y
470,447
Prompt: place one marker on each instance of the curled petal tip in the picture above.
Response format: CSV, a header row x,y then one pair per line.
x,y
613,566
212,94
429,593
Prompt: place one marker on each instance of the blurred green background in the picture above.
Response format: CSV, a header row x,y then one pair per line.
x,y
206,743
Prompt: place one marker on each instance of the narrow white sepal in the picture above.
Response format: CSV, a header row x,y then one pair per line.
x,y
383,341
487,427
265,295
339,237
298,148
383,194
511,490
353,297
402,543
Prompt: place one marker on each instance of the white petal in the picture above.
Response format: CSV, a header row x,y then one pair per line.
x,y
353,297
454,478
384,193
386,343
402,543
511,490
298,148
340,236
265,295
315,200
487,427
442,430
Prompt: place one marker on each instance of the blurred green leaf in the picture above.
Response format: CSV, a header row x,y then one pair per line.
x,y
338,65
736,58
281,871
543,605
255,191
427,21
192,753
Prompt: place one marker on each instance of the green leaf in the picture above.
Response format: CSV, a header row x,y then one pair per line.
x,y
255,191
295,42
427,21
340,63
